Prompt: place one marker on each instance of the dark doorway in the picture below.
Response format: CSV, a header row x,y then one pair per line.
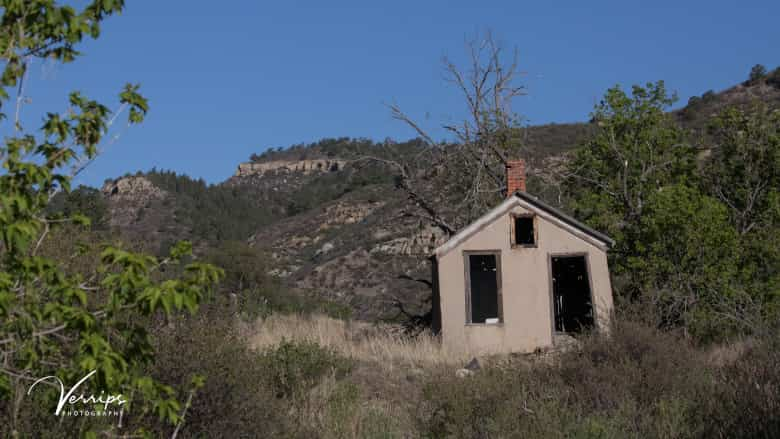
x,y
572,306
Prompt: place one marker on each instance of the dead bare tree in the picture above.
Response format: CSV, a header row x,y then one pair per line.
x,y
450,183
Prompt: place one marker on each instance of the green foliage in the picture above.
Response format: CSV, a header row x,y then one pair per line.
x,y
744,170
688,255
55,321
636,150
743,173
252,292
45,30
294,367
695,238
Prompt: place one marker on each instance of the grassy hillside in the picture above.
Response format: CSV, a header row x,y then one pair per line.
x,y
314,376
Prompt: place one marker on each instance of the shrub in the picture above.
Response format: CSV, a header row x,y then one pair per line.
x,y
246,393
747,401
637,363
638,383
235,400
687,258
294,367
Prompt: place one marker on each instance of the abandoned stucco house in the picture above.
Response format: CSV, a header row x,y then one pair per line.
x,y
519,275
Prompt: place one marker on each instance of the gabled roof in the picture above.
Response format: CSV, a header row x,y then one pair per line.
x,y
536,205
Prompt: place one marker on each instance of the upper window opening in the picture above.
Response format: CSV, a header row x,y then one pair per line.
x,y
484,288
524,231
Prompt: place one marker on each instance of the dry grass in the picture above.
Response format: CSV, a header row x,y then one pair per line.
x,y
374,343
726,354
339,410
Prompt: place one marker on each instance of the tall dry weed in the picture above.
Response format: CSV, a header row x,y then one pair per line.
x,y
374,343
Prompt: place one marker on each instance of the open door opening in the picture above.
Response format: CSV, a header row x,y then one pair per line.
x,y
572,299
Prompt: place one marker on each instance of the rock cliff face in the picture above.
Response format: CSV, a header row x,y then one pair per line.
x,y
141,212
134,187
303,166
127,196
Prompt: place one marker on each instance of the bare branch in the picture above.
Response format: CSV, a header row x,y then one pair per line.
x,y
450,184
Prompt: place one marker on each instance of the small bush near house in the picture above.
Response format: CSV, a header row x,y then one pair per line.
x,y
235,400
293,367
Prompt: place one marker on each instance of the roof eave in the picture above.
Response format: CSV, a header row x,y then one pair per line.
x,y
566,218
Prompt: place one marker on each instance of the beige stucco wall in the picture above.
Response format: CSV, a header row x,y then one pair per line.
x,y
526,287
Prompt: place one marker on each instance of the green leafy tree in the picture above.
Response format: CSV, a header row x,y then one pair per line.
x,y
59,322
636,150
687,259
675,249
743,172
696,240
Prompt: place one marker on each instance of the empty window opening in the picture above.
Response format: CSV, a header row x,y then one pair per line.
x,y
524,231
572,303
484,288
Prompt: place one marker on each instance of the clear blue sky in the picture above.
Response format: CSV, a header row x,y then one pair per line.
x,y
229,78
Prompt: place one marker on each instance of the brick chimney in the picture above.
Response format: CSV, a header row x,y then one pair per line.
x,y
515,176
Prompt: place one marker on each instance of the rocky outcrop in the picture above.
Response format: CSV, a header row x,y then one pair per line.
x,y
139,209
420,243
341,213
132,187
304,166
